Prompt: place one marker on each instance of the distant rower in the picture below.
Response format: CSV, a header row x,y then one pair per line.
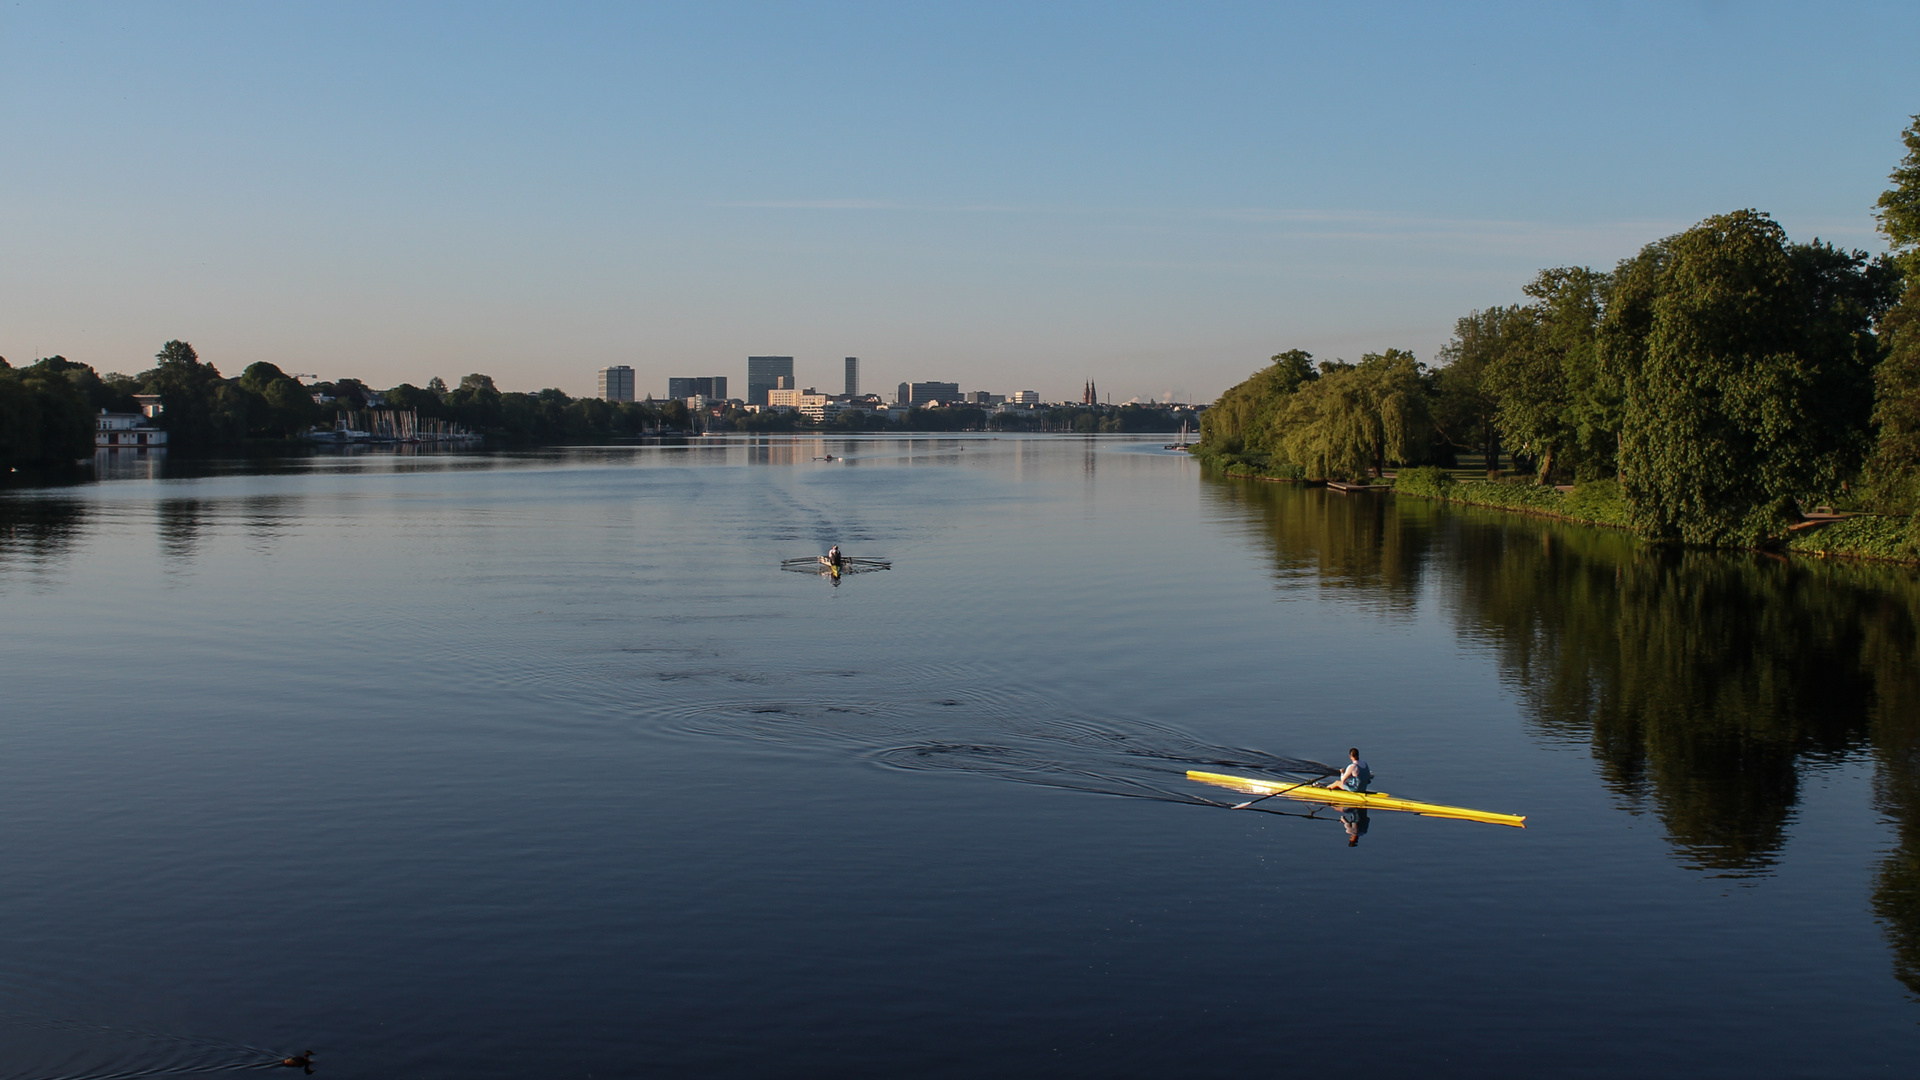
x,y
1356,776
833,555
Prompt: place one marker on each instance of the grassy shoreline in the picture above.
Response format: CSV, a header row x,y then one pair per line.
x,y
1597,502
1869,538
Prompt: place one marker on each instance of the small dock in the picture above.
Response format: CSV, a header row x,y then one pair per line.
x,y
1819,517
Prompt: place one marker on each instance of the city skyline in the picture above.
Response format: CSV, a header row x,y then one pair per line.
x,y
1157,198
765,374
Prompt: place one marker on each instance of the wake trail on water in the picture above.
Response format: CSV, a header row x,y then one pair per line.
x,y
1100,757
989,733
49,1048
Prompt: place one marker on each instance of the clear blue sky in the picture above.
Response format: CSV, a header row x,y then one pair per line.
x,y
1013,196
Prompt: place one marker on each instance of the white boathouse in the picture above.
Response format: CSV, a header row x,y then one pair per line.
x,y
112,430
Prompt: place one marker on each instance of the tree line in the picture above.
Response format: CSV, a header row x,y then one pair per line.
x,y
47,409
1724,377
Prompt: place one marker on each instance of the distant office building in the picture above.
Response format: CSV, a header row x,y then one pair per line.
x,y
981,397
903,396
922,392
763,374
714,387
853,377
1025,397
813,406
616,383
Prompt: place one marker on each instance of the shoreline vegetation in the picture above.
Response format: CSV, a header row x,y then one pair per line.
x,y
1723,388
48,410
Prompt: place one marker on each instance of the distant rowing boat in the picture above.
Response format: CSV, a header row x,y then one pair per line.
x,y
818,564
1365,800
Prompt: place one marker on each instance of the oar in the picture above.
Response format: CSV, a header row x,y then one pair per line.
x,y
1282,791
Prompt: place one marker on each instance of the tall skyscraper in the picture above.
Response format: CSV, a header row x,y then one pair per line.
x,y
763,374
853,376
904,396
616,383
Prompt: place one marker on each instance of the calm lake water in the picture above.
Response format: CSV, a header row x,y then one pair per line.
x,y
537,764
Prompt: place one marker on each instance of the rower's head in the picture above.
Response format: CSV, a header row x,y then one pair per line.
x,y
1354,753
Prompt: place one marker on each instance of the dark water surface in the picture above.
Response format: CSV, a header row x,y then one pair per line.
x,y
538,765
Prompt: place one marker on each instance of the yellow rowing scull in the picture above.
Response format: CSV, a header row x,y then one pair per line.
x,y
1366,800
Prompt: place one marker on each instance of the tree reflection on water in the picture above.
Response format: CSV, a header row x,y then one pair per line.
x,y
36,533
1704,683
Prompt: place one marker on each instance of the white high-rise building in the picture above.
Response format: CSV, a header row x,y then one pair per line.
x,y
616,383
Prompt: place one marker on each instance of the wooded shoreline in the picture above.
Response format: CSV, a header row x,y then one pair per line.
x,y
1709,391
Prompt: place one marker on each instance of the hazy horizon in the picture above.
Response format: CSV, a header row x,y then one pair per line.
x,y
1152,197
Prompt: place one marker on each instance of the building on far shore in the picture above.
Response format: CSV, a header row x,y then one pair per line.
x,y
763,374
1025,397
112,430
616,383
853,377
814,406
921,393
714,386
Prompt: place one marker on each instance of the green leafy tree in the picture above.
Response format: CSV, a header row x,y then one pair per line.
x,y
1894,472
1569,303
278,406
476,403
1465,409
1898,209
199,408
408,396
1726,420
44,415
1243,420
292,407
98,393
756,423
260,375
1358,418
947,419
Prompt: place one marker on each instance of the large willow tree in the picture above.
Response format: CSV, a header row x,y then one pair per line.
x,y
1243,420
1358,417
